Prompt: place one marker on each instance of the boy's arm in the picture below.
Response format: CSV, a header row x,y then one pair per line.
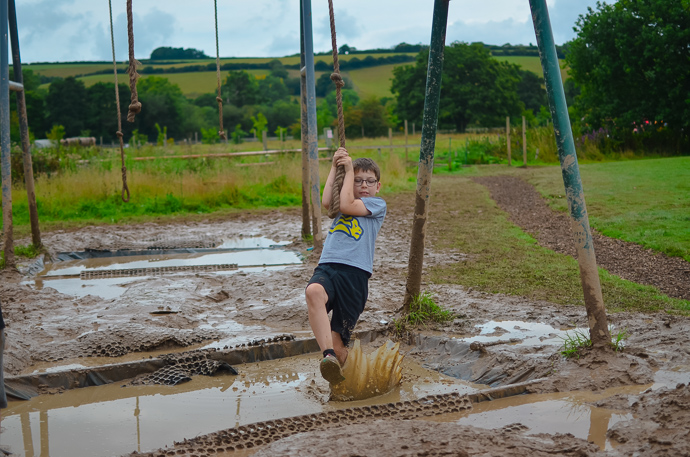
x,y
328,188
348,203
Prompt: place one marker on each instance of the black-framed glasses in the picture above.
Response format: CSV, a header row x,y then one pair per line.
x,y
370,182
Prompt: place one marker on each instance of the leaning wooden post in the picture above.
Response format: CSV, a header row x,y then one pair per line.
x,y
5,159
312,134
24,129
589,274
306,228
524,143
508,137
405,142
426,153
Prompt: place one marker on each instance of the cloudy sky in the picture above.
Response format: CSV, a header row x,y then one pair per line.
x,y
73,30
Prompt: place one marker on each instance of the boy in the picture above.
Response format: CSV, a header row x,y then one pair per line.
x,y
341,280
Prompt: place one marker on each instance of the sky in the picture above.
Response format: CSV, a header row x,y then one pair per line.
x,y
79,30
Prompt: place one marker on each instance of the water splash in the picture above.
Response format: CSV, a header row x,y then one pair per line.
x,y
369,375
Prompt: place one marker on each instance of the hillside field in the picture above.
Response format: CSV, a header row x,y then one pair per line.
x,y
367,81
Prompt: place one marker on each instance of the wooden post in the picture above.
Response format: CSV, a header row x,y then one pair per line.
x,y
413,129
524,142
508,137
450,158
196,137
165,140
264,139
390,138
405,142
306,228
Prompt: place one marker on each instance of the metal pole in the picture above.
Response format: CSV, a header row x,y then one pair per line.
x,y
426,152
306,229
589,275
5,159
24,128
405,142
312,138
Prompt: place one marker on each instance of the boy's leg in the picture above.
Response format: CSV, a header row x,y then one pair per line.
x,y
339,348
318,316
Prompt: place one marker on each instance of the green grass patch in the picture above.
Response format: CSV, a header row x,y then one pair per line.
x,y
373,80
29,251
504,259
642,201
423,311
533,64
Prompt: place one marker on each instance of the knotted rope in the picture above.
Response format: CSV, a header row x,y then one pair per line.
x,y
125,189
334,208
219,99
135,105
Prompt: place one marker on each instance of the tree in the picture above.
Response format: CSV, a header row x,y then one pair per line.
x,y
531,91
167,53
475,88
324,84
162,103
240,88
630,59
65,103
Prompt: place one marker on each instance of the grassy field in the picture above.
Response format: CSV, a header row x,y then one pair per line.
x,y
645,201
368,81
532,64
191,84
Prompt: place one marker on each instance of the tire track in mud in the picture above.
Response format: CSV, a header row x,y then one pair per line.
x,y
527,209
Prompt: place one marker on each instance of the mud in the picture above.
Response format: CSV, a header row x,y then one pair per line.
x,y
48,329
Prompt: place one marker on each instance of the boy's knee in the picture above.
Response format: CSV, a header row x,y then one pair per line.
x,y
315,293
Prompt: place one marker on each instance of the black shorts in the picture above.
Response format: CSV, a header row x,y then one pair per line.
x,y
347,289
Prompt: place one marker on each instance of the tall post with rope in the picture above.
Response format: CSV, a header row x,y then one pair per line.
x,y
125,189
219,98
334,208
306,229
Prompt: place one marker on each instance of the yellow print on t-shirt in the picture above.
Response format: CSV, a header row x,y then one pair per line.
x,y
349,225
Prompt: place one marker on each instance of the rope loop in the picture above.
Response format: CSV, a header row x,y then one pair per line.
x,y
119,134
219,99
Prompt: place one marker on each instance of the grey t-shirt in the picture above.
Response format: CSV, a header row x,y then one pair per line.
x,y
351,239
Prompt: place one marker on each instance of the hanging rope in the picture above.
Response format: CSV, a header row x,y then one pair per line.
x,y
219,99
135,105
125,189
334,208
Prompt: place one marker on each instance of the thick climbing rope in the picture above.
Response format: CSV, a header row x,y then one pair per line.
x,y
219,99
125,189
135,105
334,207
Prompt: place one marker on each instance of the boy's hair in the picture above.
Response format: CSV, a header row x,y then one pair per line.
x,y
366,164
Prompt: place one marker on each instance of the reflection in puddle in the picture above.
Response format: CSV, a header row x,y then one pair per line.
x,y
249,254
114,420
520,332
564,412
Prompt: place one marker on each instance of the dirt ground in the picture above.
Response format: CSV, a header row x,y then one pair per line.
x,y
46,326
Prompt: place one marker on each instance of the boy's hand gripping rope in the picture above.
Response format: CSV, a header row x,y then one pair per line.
x,y
334,208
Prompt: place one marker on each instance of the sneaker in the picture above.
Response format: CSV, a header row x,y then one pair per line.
x,y
331,371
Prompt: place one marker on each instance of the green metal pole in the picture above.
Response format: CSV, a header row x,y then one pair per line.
x,y
5,161
589,274
426,152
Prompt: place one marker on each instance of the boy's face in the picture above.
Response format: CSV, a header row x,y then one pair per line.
x,y
364,189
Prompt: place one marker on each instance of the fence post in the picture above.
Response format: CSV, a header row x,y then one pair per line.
x,y
196,137
589,274
524,142
508,137
413,129
264,139
426,152
390,138
405,142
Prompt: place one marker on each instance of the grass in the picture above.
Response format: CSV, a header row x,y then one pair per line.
x,y
532,63
504,259
373,80
29,251
577,340
423,310
642,201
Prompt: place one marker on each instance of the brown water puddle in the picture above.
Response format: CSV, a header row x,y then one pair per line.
x,y
114,420
561,412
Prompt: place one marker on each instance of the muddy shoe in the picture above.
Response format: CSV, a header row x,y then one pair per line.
x,y
331,371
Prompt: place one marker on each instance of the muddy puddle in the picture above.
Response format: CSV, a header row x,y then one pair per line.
x,y
115,420
107,274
